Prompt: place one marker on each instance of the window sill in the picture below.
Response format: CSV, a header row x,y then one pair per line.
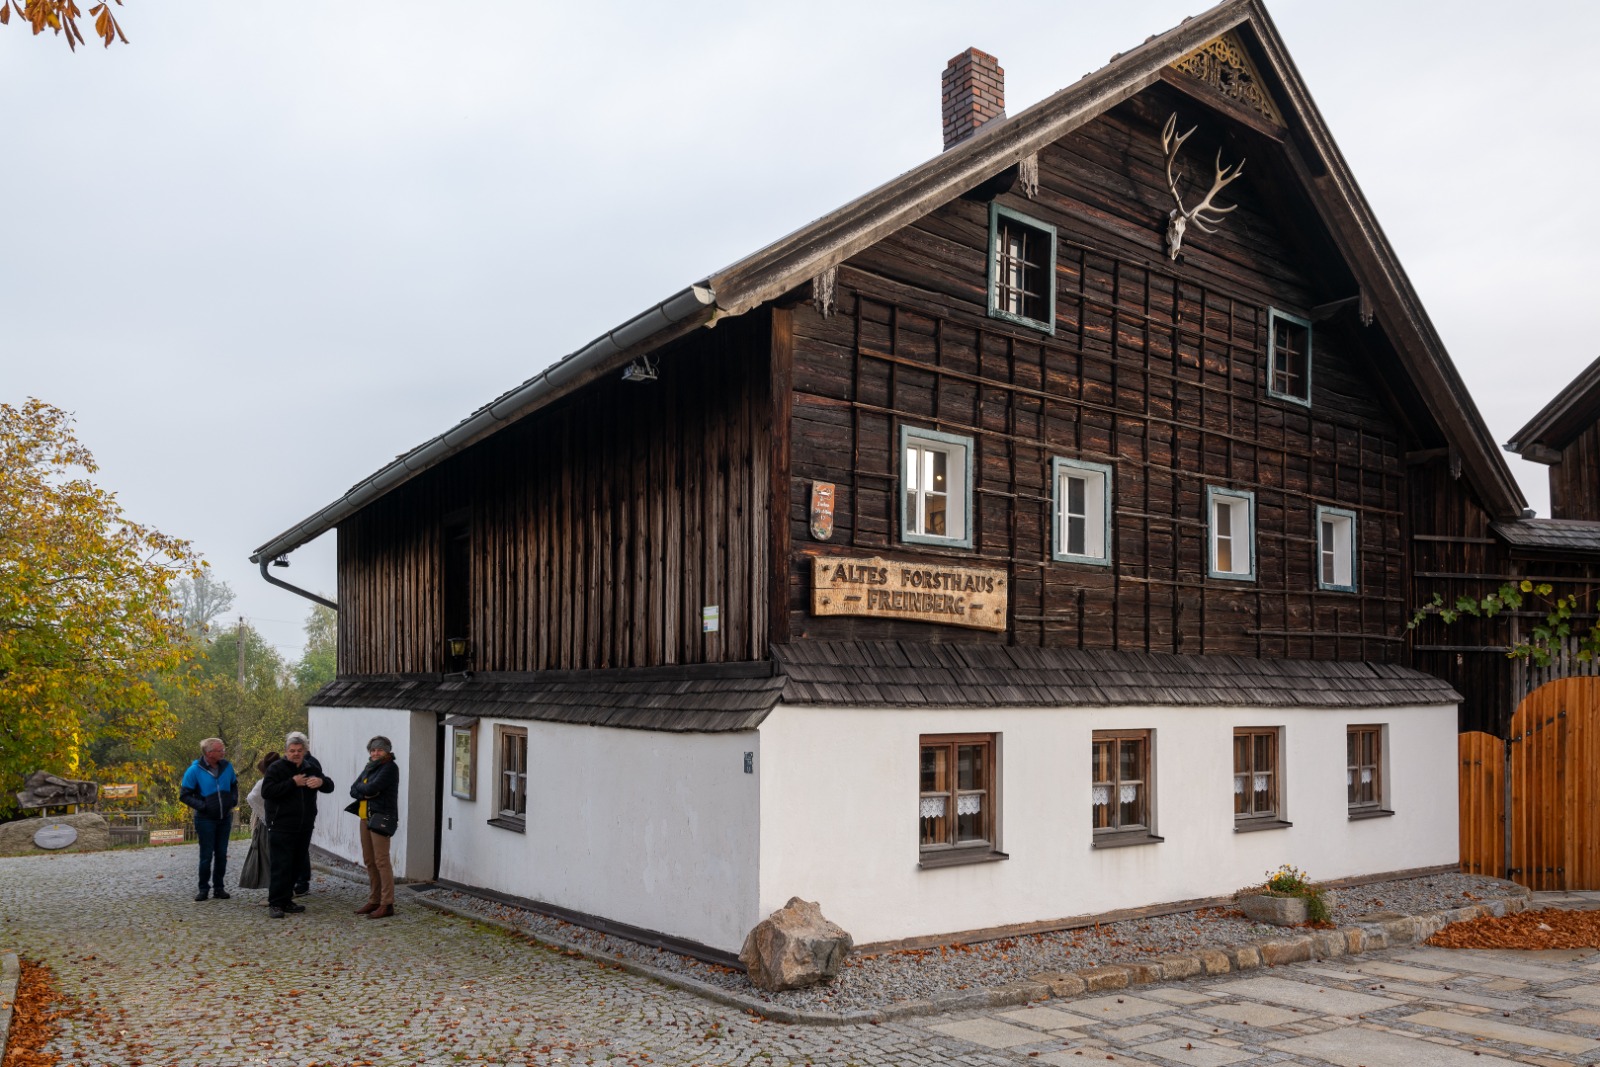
x,y
515,825
960,857
1252,825
1126,839
1370,813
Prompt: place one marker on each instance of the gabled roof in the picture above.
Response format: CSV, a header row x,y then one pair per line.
x,y
830,240
1574,409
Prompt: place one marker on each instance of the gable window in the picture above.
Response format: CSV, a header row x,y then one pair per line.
x,y
511,785
1256,804
1082,511
936,498
1120,784
1022,269
1336,549
1232,520
1289,358
1364,784
957,799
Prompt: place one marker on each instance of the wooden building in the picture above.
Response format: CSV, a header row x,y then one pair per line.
x,y
1083,446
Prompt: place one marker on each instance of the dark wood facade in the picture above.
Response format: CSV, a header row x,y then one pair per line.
x,y
1156,369
599,528
597,532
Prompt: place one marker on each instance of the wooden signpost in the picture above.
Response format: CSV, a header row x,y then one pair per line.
x,y
973,597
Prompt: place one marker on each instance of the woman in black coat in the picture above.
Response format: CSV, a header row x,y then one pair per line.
x,y
377,804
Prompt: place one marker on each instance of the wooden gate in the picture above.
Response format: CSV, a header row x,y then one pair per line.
x,y
1550,814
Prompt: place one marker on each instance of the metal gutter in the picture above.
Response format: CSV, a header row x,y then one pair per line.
x,y
308,594
686,307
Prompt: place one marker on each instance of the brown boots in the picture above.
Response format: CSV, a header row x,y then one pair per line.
x,y
367,908
382,912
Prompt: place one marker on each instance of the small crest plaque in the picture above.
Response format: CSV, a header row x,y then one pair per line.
x,y
822,510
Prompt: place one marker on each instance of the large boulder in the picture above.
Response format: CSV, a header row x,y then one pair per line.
x,y
794,947
16,838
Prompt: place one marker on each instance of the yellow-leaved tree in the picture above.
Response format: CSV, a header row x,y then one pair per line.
x,y
62,16
88,619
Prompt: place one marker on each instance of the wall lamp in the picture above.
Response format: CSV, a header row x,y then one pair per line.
x,y
642,369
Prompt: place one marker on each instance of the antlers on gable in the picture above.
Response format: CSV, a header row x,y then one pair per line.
x,y
1205,214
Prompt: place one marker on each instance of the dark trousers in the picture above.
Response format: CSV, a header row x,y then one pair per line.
x,y
302,867
285,851
213,836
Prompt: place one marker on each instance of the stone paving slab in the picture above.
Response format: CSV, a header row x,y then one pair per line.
x,y
1322,1001
1361,1048
1500,1030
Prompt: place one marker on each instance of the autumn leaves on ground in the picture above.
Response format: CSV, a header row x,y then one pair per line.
x,y
1550,928
33,1019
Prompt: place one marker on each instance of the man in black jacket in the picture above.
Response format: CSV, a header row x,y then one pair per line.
x,y
312,766
290,790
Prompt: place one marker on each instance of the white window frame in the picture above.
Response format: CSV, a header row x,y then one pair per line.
x,y
1096,514
1241,527
1274,316
916,447
1341,553
511,781
999,215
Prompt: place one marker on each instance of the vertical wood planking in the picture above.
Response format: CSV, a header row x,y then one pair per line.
x,y
1482,803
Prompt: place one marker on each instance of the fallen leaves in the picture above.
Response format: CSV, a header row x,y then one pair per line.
x,y
1548,928
33,1018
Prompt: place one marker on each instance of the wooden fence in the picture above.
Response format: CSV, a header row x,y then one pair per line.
x,y
1551,810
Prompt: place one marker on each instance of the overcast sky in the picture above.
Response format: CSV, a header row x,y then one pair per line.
x,y
262,249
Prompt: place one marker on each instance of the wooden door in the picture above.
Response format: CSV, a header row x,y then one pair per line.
x,y
1483,804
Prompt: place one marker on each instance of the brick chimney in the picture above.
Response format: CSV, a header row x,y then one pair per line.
x,y
974,93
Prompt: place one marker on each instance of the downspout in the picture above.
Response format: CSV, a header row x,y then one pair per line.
x,y
281,584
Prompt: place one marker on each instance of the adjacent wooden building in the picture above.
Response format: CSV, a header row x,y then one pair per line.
x,y
1113,439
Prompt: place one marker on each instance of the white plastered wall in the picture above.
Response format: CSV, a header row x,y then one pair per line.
x,y
656,830
339,738
839,792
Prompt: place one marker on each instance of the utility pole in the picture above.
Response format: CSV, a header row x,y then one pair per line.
x,y
239,648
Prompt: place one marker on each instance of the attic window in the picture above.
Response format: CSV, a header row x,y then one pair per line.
x,y
1289,360
1022,269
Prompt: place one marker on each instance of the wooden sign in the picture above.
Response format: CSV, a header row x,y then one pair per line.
x,y
888,589
128,791
166,837
822,510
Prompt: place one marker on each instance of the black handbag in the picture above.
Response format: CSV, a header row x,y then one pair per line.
x,y
382,823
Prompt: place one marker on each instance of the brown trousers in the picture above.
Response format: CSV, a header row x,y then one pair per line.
x,y
380,875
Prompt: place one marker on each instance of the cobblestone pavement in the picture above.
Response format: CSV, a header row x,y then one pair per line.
x,y
162,980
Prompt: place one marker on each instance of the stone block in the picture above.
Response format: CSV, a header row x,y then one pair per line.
x,y
1398,931
1104,979
1326,944
794,947
1062,985
1214,961
93,835
1243,957
1144,972
1276,910
1179,966
1289,950
1355,940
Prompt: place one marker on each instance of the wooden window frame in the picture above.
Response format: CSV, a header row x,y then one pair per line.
x,y
469,734
1003,220
1097,515
1240,502
510,818
1355,765
1338,518
1273,816
1115,834
913,520
1280,379
952,851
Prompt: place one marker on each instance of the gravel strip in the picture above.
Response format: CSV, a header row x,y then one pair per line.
x,y
878,981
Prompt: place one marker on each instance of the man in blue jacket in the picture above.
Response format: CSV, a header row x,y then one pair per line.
x,y
212,789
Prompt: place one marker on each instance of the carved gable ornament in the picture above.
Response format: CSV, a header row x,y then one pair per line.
x,y
1223,64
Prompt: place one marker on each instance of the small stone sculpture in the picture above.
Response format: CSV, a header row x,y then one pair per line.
x,y
45,790
794,947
